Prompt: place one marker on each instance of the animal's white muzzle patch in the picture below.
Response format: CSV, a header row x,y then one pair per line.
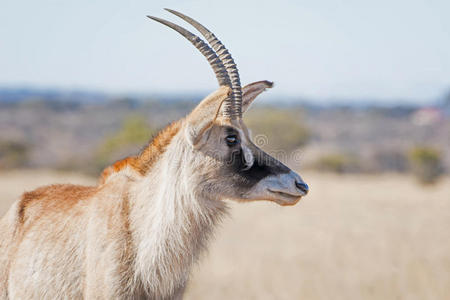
x,y
284,189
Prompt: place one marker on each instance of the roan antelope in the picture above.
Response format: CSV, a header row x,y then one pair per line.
x,y
137,234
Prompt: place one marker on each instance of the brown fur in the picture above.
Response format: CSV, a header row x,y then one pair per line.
x,y
41,210
143,162
156,147
57,197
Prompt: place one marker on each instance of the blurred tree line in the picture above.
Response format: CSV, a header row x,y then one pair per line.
x,y
13,154
281,128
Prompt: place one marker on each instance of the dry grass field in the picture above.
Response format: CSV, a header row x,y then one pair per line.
x,y
353,237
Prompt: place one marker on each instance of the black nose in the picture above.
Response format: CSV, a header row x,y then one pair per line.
x,y
302,186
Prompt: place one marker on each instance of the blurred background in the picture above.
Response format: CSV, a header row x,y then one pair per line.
x,y
360,107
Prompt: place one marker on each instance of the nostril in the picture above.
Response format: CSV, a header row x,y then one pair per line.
x,y
302,186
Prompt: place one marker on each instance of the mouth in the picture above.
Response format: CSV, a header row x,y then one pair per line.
x,y
285,198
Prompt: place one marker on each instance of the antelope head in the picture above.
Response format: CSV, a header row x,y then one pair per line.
x,y
224,162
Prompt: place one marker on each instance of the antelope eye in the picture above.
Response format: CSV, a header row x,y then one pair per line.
x,y
231,140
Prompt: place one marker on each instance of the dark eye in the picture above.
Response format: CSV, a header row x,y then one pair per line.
x,y
231,140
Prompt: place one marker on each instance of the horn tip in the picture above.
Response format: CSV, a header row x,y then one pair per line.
x,y
176,13
173,11
157,19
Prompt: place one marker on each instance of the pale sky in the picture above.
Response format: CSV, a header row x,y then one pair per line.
x,y
353,49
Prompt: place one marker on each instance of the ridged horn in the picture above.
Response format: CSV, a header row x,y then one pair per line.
x,y
224,56
215,62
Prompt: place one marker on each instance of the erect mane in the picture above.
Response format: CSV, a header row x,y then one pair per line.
x,y
142,162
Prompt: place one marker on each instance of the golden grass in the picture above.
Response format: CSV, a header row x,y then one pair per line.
x,y
353,237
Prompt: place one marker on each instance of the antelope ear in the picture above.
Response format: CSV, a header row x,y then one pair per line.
x,y
204,114
251,91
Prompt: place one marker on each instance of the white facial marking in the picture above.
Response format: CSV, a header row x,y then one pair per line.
x,y
248,156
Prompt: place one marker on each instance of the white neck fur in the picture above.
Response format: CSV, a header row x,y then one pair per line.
x,y
170,221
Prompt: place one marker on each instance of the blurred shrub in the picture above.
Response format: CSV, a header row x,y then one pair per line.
x,y
13,154
133,134
337,163
284,129
392,160
426,164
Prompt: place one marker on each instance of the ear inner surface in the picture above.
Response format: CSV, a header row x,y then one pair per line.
x,y
252,90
